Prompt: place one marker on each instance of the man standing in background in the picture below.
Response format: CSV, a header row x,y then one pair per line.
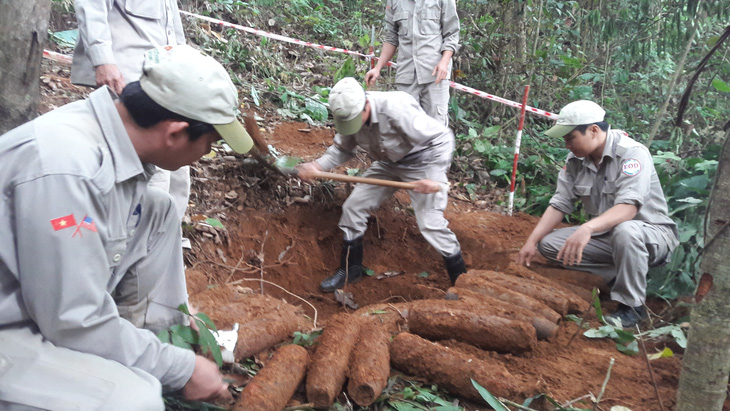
x,y
113,37
426,35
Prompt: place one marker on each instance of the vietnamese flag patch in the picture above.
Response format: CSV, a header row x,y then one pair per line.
x,y
63,222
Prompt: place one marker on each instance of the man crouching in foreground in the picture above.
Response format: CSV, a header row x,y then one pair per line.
x,y
90,257
630,230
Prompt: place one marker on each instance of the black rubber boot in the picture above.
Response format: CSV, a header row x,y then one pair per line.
x,y
455,266
628,316
350,270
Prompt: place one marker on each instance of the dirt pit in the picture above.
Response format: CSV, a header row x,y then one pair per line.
x,y
285,232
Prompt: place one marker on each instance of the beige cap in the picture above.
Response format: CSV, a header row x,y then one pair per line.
x,y
182,80
347,101
577,113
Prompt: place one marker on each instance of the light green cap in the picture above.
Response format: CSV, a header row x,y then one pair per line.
x,y
347,101
182,80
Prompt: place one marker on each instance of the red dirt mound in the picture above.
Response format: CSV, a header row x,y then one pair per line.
x,y
296,244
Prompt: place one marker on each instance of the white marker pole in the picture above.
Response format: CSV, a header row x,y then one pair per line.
x,y
518,140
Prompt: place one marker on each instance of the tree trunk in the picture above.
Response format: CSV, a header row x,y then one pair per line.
x,y
23,34
706,363
673,82
522,38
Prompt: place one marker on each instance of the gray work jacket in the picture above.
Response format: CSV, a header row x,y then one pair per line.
x,y
398,131
626,175
119,32
421,29
76,164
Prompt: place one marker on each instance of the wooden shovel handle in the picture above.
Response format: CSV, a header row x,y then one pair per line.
x,y
365,180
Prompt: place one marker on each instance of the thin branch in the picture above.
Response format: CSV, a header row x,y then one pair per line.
x,y
288,292
605,382
238,264
537,30
514,404
651,371
580,325
399,311
571,402
717,234
670,88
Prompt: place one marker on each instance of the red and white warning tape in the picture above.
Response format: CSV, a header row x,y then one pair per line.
x,y
274,36
61,58
454,85
67,59
488,96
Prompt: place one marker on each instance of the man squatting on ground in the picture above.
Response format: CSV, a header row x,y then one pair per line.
x,y
426,35
405,145
630,230
113,37
90,260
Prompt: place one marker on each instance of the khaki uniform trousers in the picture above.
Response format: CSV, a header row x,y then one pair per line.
x,y
429,208
36,374
623,255
433,98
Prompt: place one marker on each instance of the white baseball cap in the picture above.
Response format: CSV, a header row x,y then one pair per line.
x,y
347,101
182,80
575,114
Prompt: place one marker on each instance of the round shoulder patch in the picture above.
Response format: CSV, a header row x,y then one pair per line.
x,y
631,167
421,122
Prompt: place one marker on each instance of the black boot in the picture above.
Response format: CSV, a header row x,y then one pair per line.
x,y
455,266
628,316
350,270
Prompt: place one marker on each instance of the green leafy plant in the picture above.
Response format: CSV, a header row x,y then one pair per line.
x,y
305,339
625,340
186,337
295,105
346,70
489,398
404,395
498,404
687,183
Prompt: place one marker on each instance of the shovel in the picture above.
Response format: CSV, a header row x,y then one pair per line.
x,y
283,166
322,175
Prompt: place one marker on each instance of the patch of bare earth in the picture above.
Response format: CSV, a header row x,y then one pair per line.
x,y
285,232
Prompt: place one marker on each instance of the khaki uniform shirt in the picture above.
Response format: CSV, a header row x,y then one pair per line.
x,y
421,29
398,131
120,32
76,166
626,175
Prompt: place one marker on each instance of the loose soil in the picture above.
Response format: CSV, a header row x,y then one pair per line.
x,y
285,232
291,230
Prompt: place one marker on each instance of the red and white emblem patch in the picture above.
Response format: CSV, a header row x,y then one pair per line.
x,y
631,167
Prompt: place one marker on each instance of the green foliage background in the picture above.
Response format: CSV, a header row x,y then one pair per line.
x,y
619,53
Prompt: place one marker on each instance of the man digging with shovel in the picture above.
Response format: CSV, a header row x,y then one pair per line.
x,y
406,144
